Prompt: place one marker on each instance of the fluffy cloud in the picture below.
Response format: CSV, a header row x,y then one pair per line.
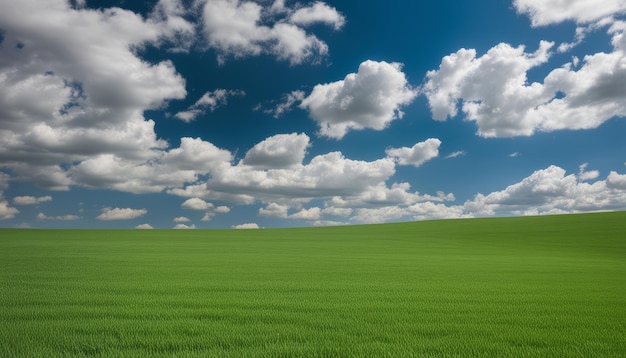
x,y
551,190
185,227
279,151
546,191
493,91
318,12
61,104
30,200
244,28
370,98
144,227
546,12
418,154
182,219
168,169
196,204
6,211
583,174
121,213
492,88
209,101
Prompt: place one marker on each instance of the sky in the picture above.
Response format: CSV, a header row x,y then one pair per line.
x,y
195,114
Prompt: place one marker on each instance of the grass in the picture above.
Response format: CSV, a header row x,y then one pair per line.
x,y
534,286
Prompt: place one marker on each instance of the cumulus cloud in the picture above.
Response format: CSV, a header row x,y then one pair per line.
x,y
493,91
279,151
370,98
418,154
62,105
30,200
246,226
210,101
144,227
182,219
6,211
318,12
546,191
69,217
185,227
196,204
121,213
583,174
244,28
547,12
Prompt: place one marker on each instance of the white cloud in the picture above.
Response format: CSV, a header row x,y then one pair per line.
x,y
209,101
6,211
169,15
121,213
196,204
370,98
492,88
493,91
547,12
173,168
184,227
418,154
324,176
379,215
144,227
279,151
30,200
69,217
458,153
583,174
61,105
318,12
244,28
182,219
514,155
246,226
334,211
222,209
289,101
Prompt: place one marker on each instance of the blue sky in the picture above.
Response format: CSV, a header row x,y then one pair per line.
x,y
244,114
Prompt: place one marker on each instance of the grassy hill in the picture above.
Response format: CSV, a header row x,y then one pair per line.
x,y
529,286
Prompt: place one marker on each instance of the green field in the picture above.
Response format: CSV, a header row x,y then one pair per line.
x,y
549,286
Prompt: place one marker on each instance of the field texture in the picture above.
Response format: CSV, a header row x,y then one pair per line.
x,y
537,287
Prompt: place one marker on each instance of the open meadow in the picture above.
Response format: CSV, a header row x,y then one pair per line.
x,y
550,286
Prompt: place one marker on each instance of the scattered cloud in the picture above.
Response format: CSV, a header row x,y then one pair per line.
x,y
244,28
246,226
548,12
288,102
370,98
514,155
182,219
144,227
121,214
458,153
418,154
209,101
42,216
185,227
30,200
